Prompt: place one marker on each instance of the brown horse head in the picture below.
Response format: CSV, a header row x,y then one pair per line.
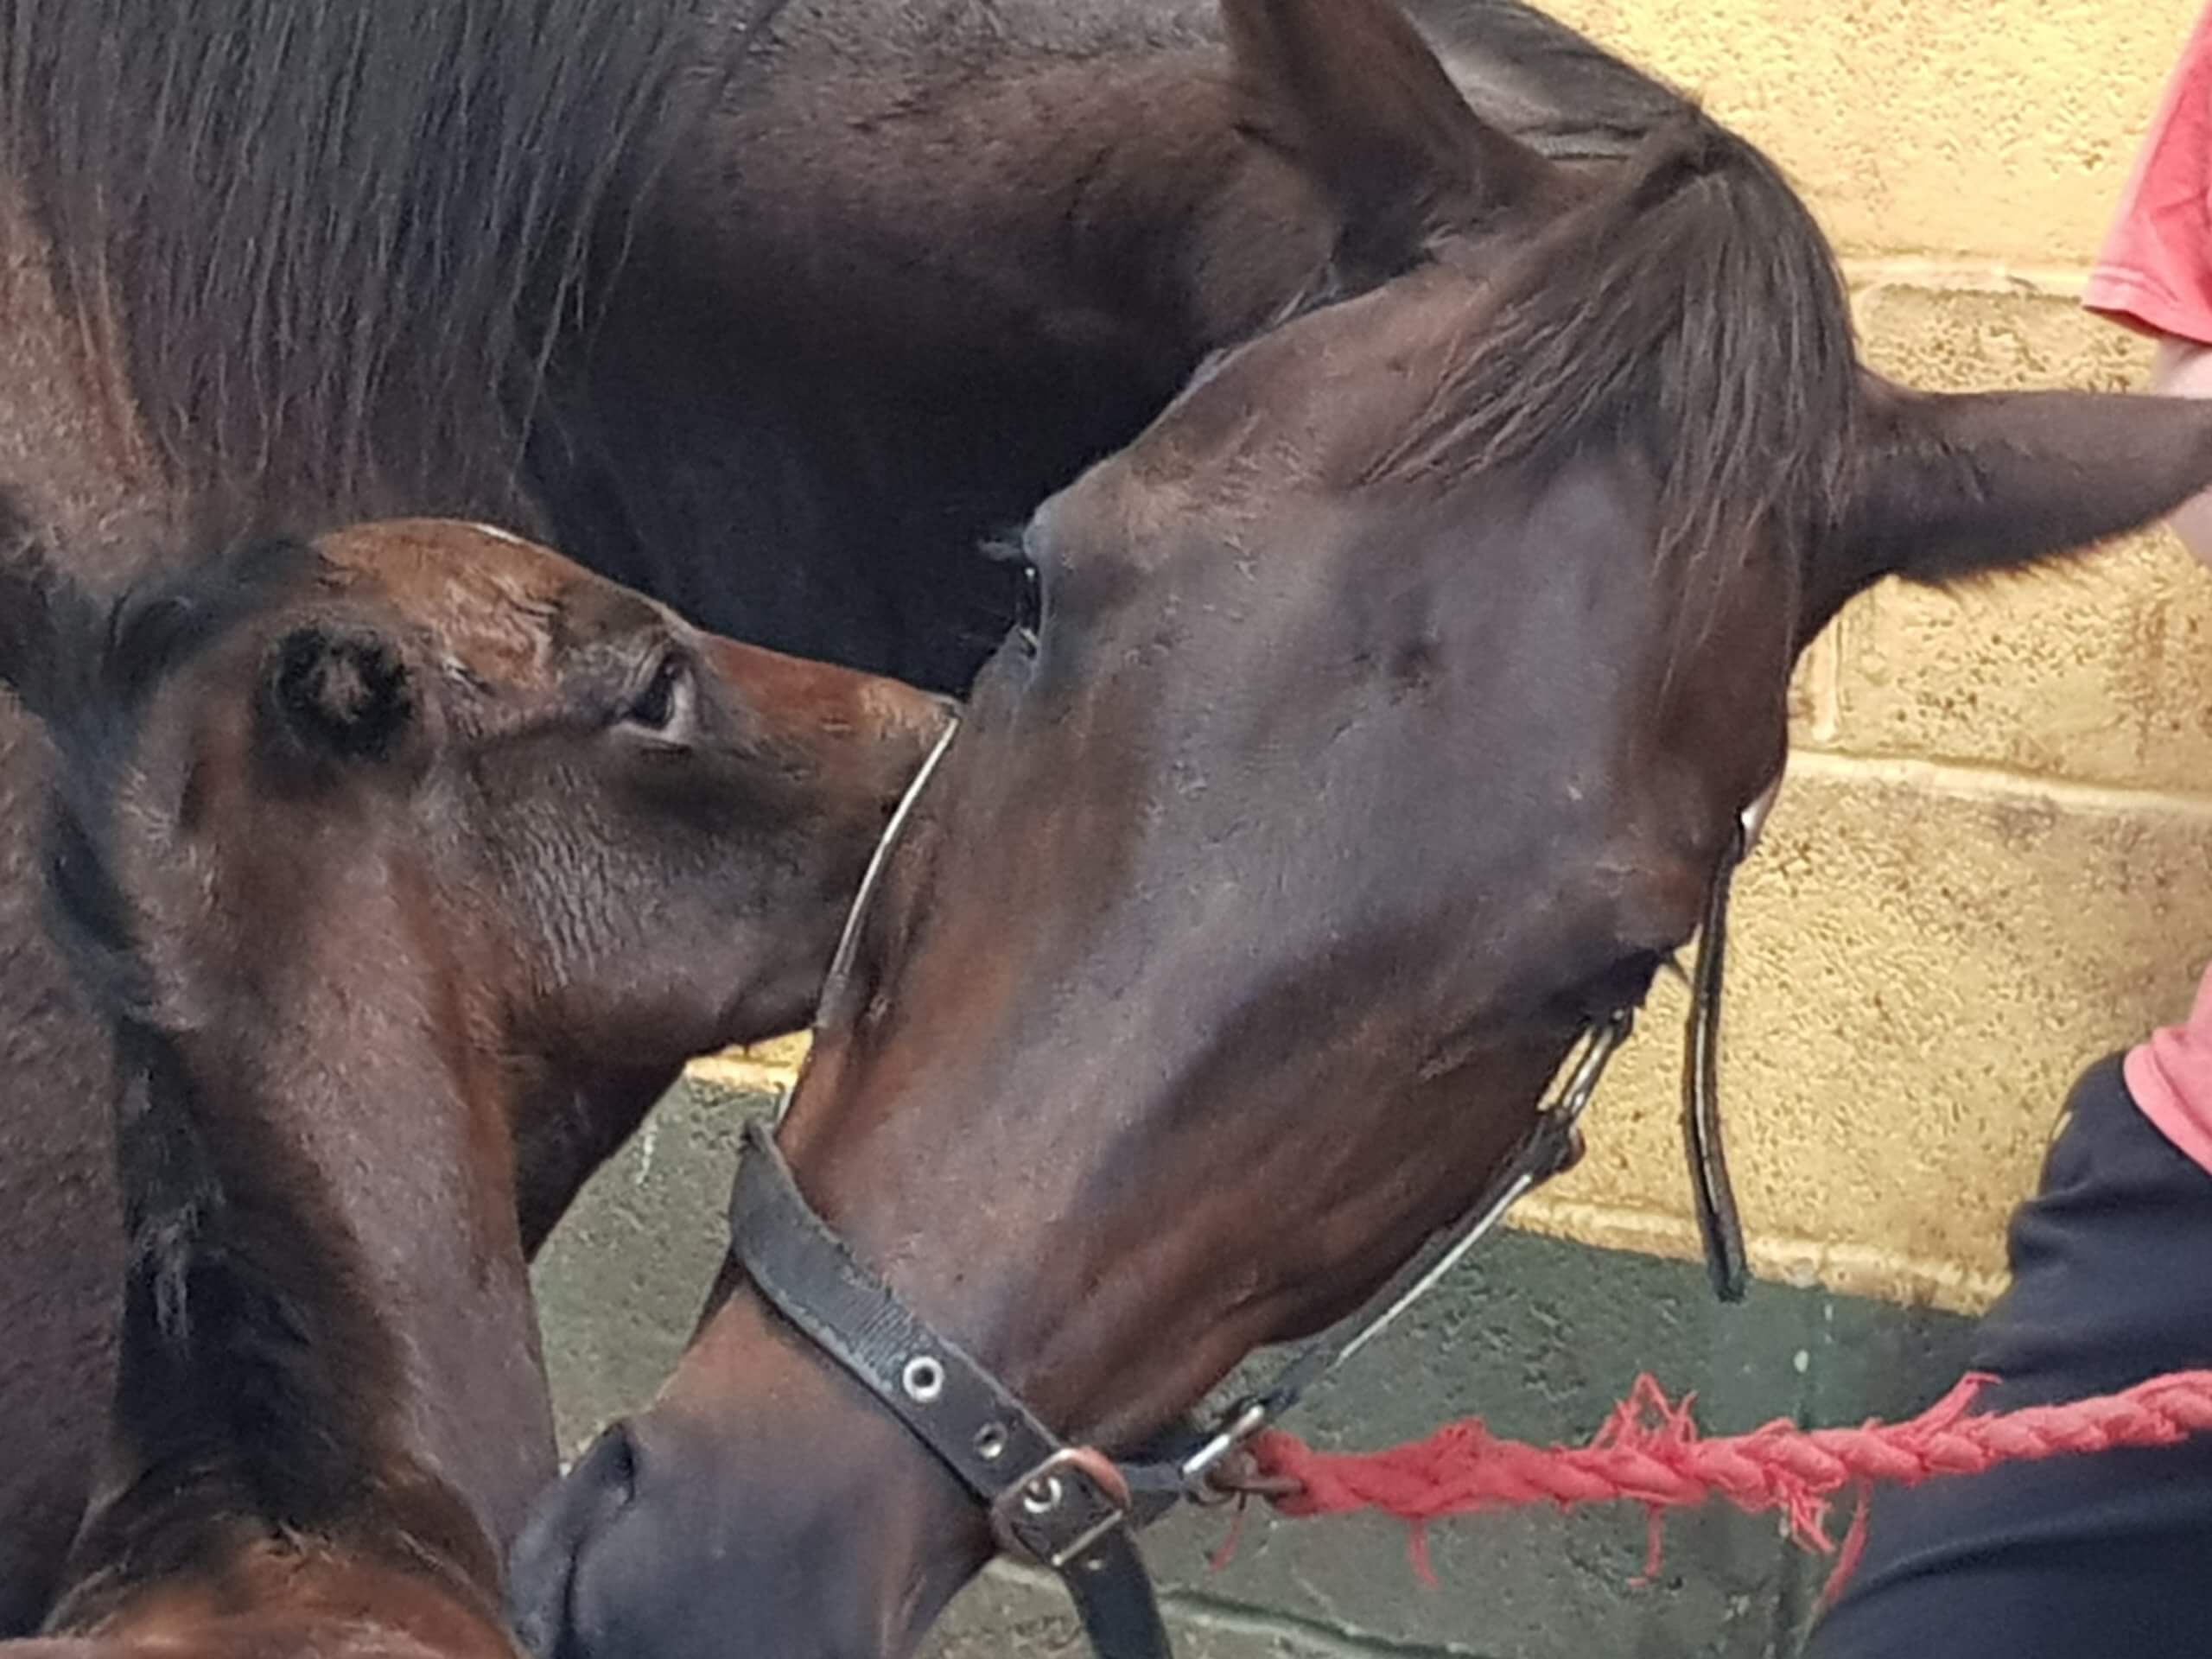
x,y
1385,714
366,847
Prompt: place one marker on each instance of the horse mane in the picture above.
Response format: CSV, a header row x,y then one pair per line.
x,y
1691,307
332,241
252,1365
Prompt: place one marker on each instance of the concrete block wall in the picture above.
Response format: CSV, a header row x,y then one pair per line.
x,y
1991,863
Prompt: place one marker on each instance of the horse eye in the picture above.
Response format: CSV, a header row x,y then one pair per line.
x,y
1029,608
667,703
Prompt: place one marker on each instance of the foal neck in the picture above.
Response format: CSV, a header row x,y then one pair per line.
x,y
328,1354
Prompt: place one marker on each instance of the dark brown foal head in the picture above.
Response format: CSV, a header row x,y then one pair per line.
x,y
1386,713
368,847
686,819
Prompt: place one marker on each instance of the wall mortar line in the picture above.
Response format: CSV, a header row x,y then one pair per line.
x,y
1975,780
2061,281
1827,685
1801,1263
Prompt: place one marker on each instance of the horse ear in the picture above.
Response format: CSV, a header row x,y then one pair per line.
x,y
46,620
1350,93
1950,487
343,695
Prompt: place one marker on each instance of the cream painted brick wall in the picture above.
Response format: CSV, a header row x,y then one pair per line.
x,y
2100,673
1997,128
1995,860
1921,966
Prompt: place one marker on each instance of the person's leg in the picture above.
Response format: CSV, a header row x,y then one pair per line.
x,y
2110,1553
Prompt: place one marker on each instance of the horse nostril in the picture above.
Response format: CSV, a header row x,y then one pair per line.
x,y
562,1527
609,1472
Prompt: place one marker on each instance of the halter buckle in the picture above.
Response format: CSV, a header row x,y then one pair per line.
x,y
1078,1487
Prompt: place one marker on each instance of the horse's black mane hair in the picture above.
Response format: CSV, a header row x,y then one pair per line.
x,y
318,230
330,245
250,1369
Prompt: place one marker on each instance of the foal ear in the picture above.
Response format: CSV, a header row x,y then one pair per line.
x,y
1350,93
340,694
1949,487
48,631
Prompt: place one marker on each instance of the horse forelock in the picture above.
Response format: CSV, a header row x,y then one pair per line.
x,y
333,241
1692,308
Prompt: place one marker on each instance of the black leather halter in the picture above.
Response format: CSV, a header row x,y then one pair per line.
x,y
1073,1509
1719,1225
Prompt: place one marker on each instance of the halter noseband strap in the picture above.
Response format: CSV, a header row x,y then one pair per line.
x,y
1067,1507
1071,1507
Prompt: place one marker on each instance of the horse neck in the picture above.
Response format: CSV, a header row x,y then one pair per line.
x,y
876,420
415,1128
1147,222
327,1329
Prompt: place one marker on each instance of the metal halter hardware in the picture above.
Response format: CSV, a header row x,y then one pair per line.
x,y
1066,1508
1072,1508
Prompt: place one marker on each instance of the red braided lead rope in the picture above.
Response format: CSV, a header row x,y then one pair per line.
x,y
1650,1452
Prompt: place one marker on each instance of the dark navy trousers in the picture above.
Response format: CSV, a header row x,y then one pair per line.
x,y
2078,1557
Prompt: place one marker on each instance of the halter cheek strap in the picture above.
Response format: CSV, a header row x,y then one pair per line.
x,y
1719,1225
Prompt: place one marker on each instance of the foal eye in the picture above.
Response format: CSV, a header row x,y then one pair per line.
x,y
667,704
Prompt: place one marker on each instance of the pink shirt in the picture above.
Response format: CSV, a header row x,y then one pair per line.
x,y
2154,274
2171,1078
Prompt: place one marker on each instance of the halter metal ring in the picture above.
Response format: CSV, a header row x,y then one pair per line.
x,y
1196,1471
1069,1471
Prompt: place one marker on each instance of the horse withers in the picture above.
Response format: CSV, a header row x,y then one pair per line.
x,y
373,850
1386,714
